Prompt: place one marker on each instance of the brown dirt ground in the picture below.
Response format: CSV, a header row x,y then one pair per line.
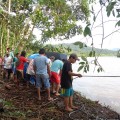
x,y
22,104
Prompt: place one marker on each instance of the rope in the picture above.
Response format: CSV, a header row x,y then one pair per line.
x,y
89,115
95,76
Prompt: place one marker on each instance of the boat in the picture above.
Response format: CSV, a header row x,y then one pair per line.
x,y
57,55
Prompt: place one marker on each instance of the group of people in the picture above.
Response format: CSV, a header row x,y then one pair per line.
x,y
54,74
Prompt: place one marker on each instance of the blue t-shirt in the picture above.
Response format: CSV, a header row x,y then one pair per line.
x,y
56,66
40,63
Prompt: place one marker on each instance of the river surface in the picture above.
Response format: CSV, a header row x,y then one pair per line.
x,y
104,89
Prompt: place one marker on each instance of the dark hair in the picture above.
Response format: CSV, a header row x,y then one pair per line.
x,y
16,54
74,56
64,60
42,51
23,53
8,48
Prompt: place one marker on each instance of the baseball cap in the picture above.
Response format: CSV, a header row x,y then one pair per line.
x,y
74,56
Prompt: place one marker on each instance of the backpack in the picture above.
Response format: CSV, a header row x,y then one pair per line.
x,y
17,62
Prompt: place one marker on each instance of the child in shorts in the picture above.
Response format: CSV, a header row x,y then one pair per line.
x,y
66,82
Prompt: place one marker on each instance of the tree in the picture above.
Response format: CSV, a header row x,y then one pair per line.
x,y
112,8
54,18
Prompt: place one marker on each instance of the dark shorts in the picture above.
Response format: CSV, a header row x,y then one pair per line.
x,y
27,77
19,75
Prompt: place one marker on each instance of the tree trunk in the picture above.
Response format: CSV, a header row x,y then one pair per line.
x,y
8,31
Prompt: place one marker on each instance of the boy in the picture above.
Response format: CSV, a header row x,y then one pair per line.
x,y
66,82
56,70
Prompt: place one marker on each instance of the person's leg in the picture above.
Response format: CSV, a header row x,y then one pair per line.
x,y
8,74
38,92
52,82
19,77
66,102
38,84
66,94
48,93
4,73
46,82
57,89
17,80
53,87
27,78
71,99
57,83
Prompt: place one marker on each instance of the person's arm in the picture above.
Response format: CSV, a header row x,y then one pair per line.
x,y
60,73
48,70
74,74
34,67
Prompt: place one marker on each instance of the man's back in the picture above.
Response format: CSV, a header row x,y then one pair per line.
x,y
56,66
40,63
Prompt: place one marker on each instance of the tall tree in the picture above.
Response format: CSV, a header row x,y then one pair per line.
x,y
54,18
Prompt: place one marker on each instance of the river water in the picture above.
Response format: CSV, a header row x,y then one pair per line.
x,y
104,89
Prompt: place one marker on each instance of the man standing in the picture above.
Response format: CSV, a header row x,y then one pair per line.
x,y
66,82
42,72
56,70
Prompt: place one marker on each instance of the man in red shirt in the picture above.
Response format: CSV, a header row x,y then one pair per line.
x,y
20,67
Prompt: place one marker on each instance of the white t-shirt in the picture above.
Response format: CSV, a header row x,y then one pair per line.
x,y
30,69
8,62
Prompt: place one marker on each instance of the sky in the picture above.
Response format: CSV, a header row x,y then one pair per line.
x,y
111,42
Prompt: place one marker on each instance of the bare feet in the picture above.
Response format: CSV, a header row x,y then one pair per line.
x,y
68,109
74,107
39,98
57,94
53,91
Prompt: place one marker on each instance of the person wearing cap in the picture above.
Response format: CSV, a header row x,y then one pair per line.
x,y
66,82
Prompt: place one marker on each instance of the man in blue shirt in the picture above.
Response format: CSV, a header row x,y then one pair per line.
x,y
42,72
56,70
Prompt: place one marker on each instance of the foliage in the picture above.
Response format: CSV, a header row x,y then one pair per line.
x,y
34,48
8,106
54,18
112,7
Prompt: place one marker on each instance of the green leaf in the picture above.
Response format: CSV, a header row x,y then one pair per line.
x,y
82,63
83,58
118,23
113,12
98,70
90,54
0,10
118,15
85,70
93,53
87,67
80,68
87,31
110,8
